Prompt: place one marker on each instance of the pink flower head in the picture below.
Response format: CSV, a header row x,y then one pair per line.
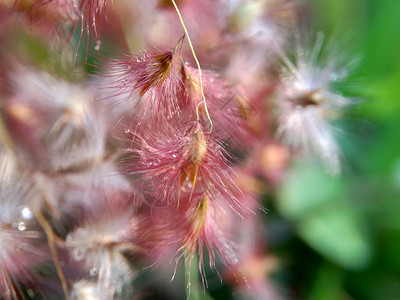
x,y
183,161
202,225
149,81
227,107
206,224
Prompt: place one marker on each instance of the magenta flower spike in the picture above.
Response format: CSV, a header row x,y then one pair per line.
x,y
227,107
185,161
149,81
206,229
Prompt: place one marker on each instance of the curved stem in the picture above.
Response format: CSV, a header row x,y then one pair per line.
x,y
51,240
203,101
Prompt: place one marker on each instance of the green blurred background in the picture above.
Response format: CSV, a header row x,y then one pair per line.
x,y
339,237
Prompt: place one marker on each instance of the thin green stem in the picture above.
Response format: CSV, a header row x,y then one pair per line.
x,y
203,101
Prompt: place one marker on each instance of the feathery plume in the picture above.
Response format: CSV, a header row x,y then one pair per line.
x,y
181,161
149,81
307,105
102,240
55,124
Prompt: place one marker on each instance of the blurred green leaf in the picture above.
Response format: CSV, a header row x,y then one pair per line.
x,y
306,189
337,235
327,284
324,217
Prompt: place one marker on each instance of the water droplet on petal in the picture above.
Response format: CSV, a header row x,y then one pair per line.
x,y
140,59
127,130
187,185
98,45
21,226
156,162
26,213
174,155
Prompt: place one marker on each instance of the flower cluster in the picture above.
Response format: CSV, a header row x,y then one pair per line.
x,y
152,158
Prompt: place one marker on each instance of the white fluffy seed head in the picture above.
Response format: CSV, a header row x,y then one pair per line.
x,y
68,124
307,104
100,243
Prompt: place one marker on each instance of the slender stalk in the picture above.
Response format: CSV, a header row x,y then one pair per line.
x,y
203,101
5,137
51,240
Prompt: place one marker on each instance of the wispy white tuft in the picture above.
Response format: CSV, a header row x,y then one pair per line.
x,y
71,128
307,104
100,243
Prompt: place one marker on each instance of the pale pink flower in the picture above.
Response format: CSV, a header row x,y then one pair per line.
x,y
149,81
228,108
206,227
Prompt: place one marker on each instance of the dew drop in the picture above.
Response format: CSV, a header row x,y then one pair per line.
x,y
140,59
174,155
26,213
21,226
156,162
187,185
98,45
127,130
